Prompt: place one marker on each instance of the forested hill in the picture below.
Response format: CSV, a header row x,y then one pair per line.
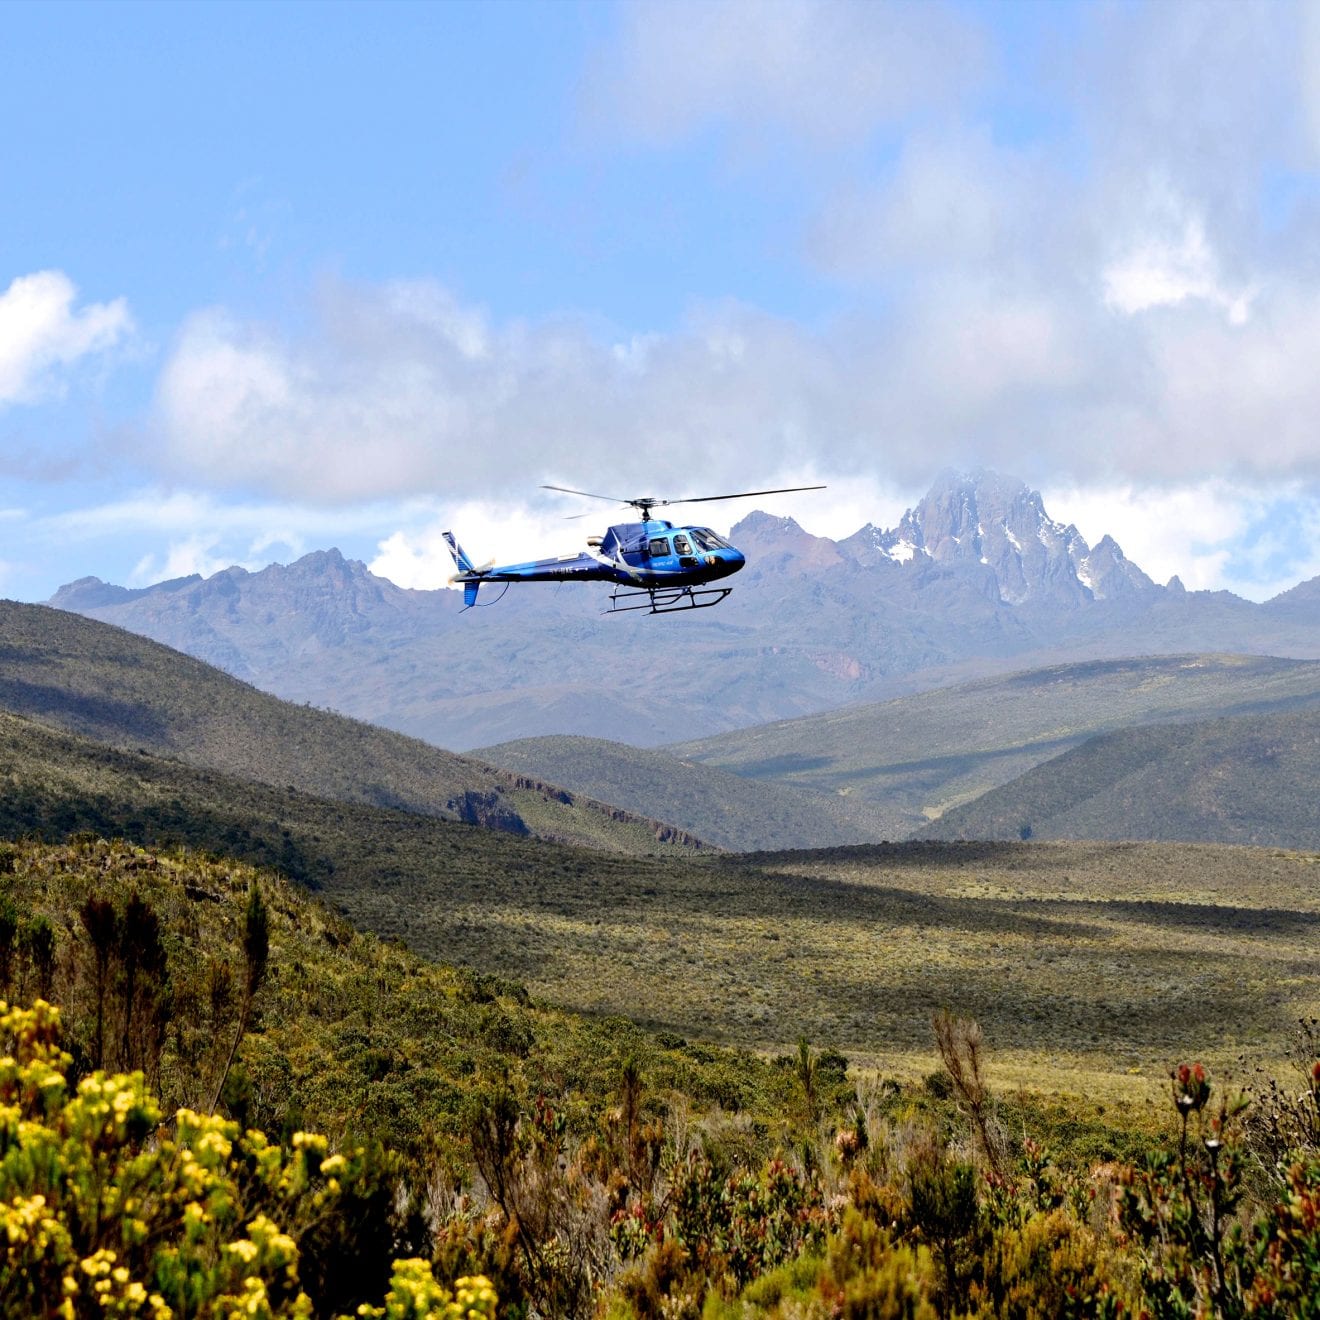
x,y
130,693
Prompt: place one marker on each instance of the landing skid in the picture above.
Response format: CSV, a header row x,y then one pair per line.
x,y
666,600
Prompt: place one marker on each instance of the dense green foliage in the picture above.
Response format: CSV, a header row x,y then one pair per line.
x,y
344,1032
587,1167
107,1210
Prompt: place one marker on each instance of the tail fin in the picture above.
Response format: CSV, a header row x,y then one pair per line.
x,y
465,565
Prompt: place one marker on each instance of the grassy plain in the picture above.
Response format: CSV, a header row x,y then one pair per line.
x,y
1092,967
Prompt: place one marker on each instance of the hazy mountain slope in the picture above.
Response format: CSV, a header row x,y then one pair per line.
x,y
120,689
920,755
975,580
721,808
1250,779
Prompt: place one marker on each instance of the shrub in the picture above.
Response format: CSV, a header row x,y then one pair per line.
x,y
1051,1266
104,1210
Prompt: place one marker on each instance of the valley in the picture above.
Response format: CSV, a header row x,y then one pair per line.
x,y
1087,966
886,771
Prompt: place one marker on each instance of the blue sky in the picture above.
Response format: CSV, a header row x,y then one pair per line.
x,y
277,277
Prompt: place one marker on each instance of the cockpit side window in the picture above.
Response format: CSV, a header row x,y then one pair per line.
x,y
707,540
681,544
659,546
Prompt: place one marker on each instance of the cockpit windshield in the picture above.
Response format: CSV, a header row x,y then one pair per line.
x,y
707,539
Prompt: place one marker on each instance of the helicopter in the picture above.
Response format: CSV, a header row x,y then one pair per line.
x,y
654,565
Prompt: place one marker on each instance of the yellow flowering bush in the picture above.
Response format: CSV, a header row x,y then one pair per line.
x,y
107,1211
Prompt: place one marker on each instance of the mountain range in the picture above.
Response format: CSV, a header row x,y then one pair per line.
x,y
975,580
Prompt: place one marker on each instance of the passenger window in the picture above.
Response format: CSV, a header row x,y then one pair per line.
x,y
659,546
681,545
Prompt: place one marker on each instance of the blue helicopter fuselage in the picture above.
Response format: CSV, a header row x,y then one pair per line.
x,y
649,554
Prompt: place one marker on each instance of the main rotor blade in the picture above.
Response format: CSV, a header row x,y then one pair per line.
x,y
568,491
644,505
741,495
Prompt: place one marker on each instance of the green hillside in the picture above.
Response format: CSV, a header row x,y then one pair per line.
x,y
369,860
1083,962
585,1167
914,758
352,1035
724,809
1250,780
96,680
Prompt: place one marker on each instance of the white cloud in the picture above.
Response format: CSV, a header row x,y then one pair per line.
x,y
400,391
1187,530
826,70
1094,303
195,554
953,199
40,332
1159,272
1255,540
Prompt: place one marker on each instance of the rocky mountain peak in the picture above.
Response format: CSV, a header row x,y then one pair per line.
x,y
89,593
773,542
1108,572
998,522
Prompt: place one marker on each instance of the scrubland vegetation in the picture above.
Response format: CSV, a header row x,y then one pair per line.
x,y
1089,966
568,1166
